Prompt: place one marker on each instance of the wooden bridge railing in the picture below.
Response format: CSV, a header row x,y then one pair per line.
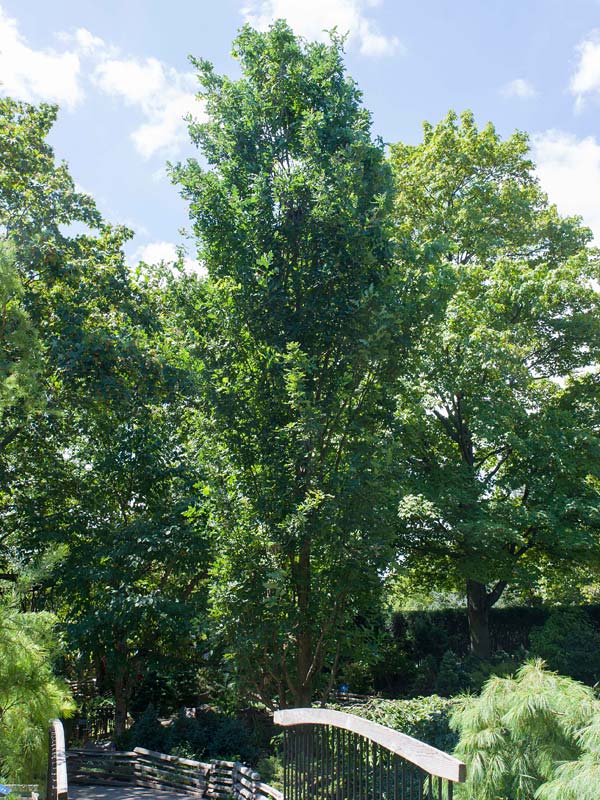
x,y
328,755
215,779
57,787
331,755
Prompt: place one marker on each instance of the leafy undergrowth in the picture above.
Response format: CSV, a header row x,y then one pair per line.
x,y
424,718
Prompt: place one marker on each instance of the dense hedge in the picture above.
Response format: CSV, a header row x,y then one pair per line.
x,y
428,651
510,628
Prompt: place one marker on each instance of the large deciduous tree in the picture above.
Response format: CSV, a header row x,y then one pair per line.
x,y
498,415
291,222
98,471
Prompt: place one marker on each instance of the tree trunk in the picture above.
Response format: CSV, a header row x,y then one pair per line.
x,y
304,681
122,687
478,612
121,702
479,602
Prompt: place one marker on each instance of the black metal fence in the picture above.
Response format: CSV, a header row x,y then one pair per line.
x,y
329,761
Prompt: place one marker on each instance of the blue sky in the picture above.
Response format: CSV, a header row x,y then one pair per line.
x,y
119,71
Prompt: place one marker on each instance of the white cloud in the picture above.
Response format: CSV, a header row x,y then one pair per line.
x,y
87,42
162,94
586,79
37,75
83,41
157,252
569,171
311,18
520,87
136,82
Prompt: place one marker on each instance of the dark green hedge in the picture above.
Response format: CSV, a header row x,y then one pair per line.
x,y
428,651
434,632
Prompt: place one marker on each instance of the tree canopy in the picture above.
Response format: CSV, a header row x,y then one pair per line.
x,y
291,330
387,370
497,426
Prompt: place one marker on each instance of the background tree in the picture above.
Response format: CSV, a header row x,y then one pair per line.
x,y
21,393
497,416
101,476
67,285
290,219
21,353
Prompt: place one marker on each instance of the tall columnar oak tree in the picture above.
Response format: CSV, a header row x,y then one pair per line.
x,y
290,218
498,418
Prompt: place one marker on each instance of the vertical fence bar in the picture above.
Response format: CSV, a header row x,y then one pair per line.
x,y
361,778
287,761
338,782
387,784
347,757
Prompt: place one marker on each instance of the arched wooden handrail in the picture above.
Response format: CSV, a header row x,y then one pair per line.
x,y
428,758
58,787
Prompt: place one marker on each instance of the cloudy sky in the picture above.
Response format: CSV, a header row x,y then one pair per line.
x,y
119,71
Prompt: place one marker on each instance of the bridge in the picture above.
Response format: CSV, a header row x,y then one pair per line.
x,y
327,755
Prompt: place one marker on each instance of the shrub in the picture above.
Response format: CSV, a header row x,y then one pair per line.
x,y
451,677
425,718
186,735
570,644
516,735
477,671
413,658
208,735
146,731
233,741
271,771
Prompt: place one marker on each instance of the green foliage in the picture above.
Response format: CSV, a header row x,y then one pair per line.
x,y
577,780
451,677
516,735
293,330
146,731
270,770
497,414
208,735
385,360
107,472
30,694
20,348
425,718
570,644
426,651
